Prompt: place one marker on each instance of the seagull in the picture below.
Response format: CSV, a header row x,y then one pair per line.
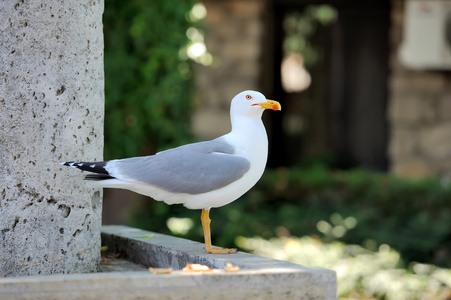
x,y
200,175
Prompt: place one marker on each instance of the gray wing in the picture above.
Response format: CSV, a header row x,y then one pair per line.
x,y
192,169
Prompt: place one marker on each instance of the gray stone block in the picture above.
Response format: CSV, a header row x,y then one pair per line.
x,y
258,277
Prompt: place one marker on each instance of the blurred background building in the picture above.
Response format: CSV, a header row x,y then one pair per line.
x,y
351,98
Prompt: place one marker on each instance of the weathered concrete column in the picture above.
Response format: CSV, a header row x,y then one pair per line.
x,y
51,110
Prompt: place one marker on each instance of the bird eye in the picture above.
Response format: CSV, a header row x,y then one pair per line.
x,y
248,97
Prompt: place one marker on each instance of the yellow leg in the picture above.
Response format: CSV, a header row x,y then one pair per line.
x,y
205,218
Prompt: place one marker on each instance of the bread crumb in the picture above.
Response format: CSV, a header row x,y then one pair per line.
x,y
160,270
196,268
231,268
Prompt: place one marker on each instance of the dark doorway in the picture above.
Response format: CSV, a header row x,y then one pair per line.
x,y
343,112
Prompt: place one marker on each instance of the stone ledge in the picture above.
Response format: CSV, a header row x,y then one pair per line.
x,y
259,277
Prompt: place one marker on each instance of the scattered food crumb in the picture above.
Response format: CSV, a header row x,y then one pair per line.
x,y
160,270
196,268
231,268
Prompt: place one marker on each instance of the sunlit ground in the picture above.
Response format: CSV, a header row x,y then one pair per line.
x,y
361,274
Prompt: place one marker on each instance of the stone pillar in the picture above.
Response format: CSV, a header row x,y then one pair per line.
x,y
51,110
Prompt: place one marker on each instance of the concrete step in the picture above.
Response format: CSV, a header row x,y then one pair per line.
x,y
125,274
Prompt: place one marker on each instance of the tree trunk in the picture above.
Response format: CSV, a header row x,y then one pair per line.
x,y
51,110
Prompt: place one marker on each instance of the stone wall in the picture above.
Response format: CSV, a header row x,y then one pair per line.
x,y
419,113
419,102
234,35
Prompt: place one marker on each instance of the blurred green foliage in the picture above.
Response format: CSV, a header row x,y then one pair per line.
x,y
355,207
361,274
147,83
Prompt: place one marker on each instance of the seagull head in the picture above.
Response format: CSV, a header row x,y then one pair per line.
x,y
252,103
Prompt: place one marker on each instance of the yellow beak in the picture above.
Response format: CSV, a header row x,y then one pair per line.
x,y
269,104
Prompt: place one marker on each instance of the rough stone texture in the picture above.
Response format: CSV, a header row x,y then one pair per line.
x,y
258,278
235,39
419,113
51,110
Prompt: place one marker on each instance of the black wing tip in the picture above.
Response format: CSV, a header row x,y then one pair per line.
x,y
95,167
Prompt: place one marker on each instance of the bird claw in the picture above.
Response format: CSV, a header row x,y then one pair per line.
x,y
217,250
